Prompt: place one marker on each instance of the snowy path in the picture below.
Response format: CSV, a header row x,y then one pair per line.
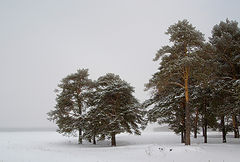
x,y
150,147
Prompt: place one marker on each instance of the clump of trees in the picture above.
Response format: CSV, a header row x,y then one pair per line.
x,y
96,109
197,82
196,87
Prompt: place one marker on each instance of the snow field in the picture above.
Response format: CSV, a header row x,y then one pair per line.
x,y
149,147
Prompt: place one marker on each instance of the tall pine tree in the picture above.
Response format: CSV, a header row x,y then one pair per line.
x,y
179,62
226,40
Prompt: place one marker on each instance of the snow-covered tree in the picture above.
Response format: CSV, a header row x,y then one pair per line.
x,y
226,40
71,103
201,100
178,64
168,108
117,110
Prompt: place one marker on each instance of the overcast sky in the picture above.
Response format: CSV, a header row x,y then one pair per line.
x,y
43,41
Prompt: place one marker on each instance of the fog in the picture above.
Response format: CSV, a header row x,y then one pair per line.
x,y
43,41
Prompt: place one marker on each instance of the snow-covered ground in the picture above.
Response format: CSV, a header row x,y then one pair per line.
x,y
149,147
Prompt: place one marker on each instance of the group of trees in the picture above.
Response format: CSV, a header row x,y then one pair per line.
x,y
197,82
197,85
96,109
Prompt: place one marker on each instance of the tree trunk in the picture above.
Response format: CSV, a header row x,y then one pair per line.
x,y
183,132
113,139
205,132
235,126
205,121
80,136
204,126
187,111
223,129
196,124
187,125
94,140
182,137
80,113
195,133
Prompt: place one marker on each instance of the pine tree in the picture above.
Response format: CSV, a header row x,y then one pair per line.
x,y
202,99
202,91
92,119
72,94
168,108
179,62
226,40
117,109
92,126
